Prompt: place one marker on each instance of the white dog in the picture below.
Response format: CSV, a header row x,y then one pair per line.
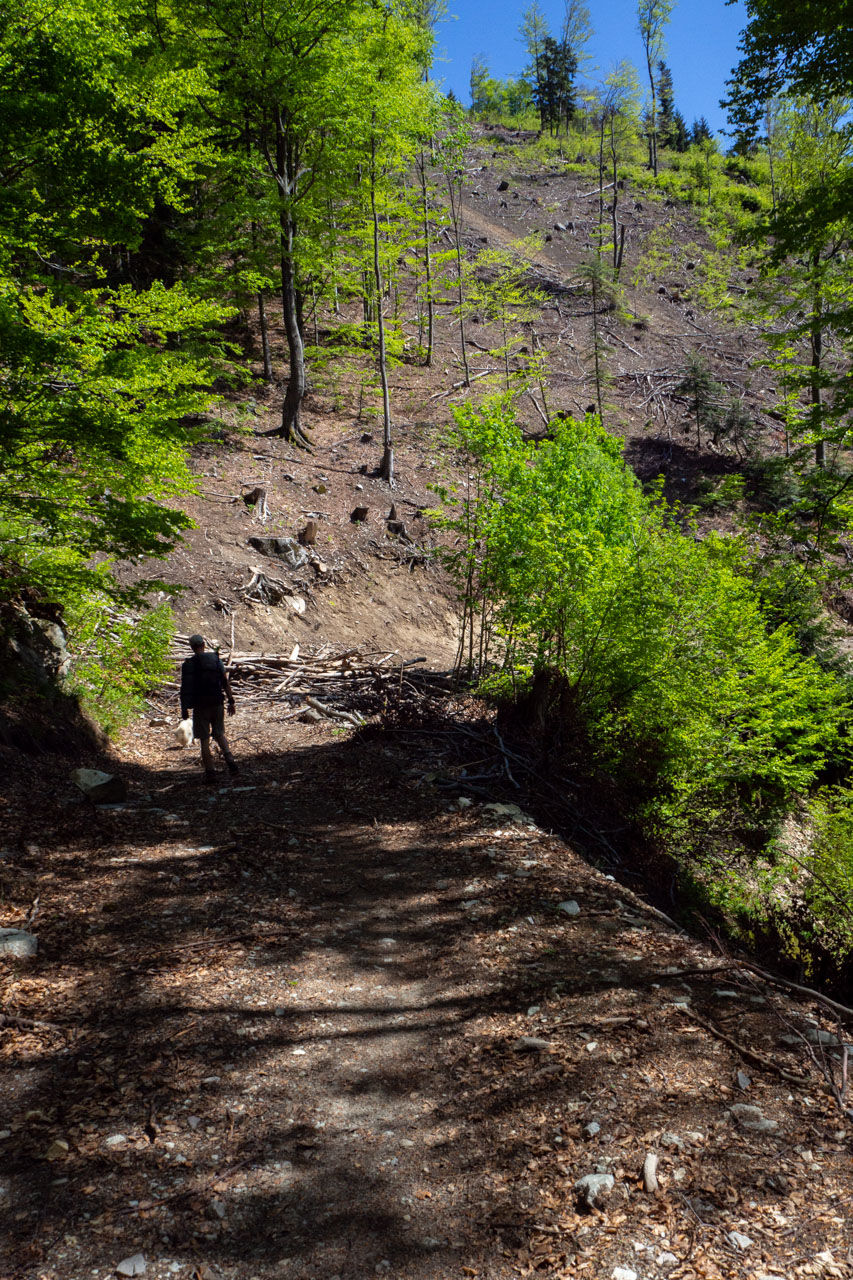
x,y
184,733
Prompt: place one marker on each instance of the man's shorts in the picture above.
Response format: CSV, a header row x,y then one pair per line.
x,y
207,720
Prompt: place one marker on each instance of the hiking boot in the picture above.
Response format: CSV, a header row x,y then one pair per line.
x,y
209,776
233,767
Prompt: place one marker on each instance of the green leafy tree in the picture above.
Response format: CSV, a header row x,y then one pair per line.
x,y
667,114
554,93
652,19
704,395
533,32
806,298
669,678
576,31
790,48
451,141
97,374
282,83
500,290
700,131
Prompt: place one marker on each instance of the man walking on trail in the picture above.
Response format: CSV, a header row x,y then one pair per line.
x,y
204,687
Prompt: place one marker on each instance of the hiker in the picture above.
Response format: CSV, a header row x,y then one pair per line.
x,y
204,687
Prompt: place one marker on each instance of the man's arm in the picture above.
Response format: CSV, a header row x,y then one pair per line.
x,y
186,690
226,684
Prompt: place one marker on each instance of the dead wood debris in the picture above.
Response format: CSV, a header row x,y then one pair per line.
x,y
359,680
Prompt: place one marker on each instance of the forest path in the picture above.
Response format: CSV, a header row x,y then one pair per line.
x,y
276,1029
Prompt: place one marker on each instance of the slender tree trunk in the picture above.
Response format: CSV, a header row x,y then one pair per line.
x,y
621,253
265,338
601,180
333,227
430,306
653,119
816,343
454,213
595,343
386,467
769,118
536,346
314,314
615,204
291,428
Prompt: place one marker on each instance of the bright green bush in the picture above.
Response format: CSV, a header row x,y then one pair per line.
x,y
709,721
826,882
117,659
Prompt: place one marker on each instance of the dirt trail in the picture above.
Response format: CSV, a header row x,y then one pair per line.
x,y
276,1030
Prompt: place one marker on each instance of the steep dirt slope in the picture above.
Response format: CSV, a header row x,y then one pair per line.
x,y
370,588
379,588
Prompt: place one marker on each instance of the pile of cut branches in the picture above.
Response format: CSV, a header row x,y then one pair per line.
x,y
344,686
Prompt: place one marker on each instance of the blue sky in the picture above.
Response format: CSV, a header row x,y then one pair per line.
x,y
702,39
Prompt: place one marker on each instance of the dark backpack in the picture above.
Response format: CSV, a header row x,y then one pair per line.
x,y
207,679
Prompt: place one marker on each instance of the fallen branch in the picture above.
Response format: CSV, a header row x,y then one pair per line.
x,y
587,194
439,395
749,1054
335,713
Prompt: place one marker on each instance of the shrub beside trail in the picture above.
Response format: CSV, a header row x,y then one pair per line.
x,y
677,691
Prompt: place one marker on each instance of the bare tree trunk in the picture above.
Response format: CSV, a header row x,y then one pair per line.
x,y
536,346
427,264
291,427
601,179
615,204
265,338
596,345
285,173
769,120
653,118
621,252
386,467
454,213
816,342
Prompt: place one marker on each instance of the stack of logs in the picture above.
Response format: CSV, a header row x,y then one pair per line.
x,y
323,685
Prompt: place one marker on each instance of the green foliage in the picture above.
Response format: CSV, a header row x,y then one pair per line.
x,y
792,595
496,101
706,718
827,885
724,495
117,659
800,892
92,445
499,289
98,373
790,47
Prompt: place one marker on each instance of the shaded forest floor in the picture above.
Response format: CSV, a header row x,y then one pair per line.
x,y
276,1029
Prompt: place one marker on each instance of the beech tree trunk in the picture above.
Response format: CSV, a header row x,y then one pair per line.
x,y
816,337
286,168
427,264
454,214
386,467
265,338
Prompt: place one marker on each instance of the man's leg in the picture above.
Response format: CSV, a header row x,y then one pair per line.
x,y
218,728
201,730
206,756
